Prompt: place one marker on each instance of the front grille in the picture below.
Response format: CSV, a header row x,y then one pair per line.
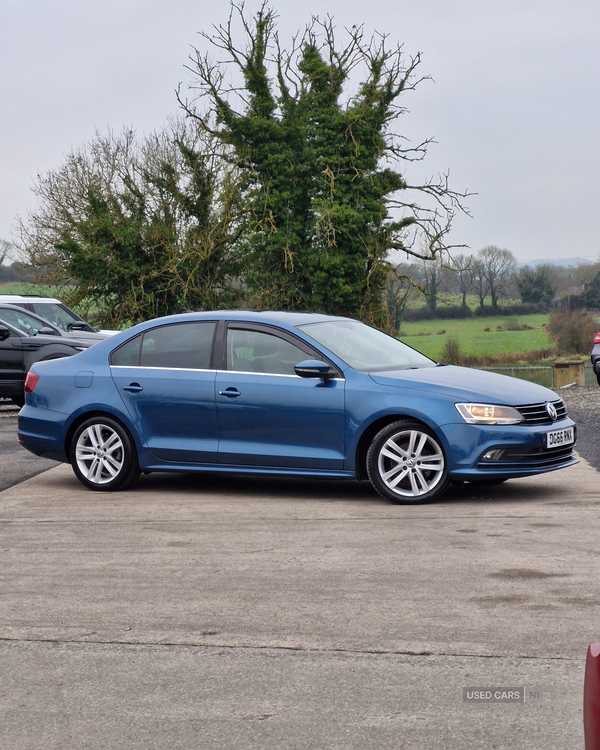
x,y
519,458
537,414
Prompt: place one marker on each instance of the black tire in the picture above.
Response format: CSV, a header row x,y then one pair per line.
x,y
406,464
103,456
598,377
18,400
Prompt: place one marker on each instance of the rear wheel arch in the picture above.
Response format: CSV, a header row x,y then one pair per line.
x,y
88,415
103,454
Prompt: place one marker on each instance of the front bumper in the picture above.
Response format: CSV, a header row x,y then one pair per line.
x,y
524,451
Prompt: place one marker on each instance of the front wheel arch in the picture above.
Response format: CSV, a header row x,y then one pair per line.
x,y
369,433
407,464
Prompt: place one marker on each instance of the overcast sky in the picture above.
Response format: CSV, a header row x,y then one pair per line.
x,y
514,105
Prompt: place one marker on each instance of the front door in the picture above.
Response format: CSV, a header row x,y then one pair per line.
x,y
269,416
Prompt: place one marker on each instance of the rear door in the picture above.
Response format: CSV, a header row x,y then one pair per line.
x,y
165,379
269,416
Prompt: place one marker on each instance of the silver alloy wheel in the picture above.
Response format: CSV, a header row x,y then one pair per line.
x,y
99,453
411,463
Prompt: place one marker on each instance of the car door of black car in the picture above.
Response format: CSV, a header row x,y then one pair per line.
x,y
12,372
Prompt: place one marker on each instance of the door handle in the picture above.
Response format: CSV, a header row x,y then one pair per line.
x,y
133,388
230,393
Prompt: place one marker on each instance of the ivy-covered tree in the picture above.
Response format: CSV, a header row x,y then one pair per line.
x,y
137,229
325,187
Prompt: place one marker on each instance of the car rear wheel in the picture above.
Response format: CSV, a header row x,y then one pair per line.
x,y
406,464
103,455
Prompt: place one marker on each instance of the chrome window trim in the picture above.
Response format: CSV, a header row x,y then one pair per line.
x,y
173,369
275,375
228,372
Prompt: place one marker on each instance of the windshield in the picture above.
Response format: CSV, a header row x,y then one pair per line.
x,y
365,348
23,321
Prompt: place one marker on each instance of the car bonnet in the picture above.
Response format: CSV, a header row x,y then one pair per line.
x,y
465,384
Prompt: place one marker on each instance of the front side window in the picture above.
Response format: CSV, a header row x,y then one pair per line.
x,y
365,348
23,321
256,351
179,346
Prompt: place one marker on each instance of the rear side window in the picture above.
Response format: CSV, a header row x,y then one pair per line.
x,y
181,345
127,355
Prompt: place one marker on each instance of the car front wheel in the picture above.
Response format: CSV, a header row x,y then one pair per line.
x,y
103,455
406,463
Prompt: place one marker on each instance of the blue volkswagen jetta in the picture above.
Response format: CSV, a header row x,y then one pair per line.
x,y
292,394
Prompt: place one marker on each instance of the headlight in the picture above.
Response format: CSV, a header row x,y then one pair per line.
x,y
489,414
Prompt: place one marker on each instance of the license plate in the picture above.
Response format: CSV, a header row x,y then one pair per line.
x,y
556,438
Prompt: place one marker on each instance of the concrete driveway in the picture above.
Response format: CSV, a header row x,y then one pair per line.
x,y
208,612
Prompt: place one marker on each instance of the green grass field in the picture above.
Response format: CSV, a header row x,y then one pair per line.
x,y
430,336
18,287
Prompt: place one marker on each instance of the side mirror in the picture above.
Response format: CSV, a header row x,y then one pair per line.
x,y
79,325
4,333
47,331
314,368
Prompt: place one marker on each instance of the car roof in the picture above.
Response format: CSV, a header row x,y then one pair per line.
x,y
12,298
282,317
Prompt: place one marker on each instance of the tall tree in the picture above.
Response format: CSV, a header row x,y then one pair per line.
x,y
480,283
137,228
401,289
5,248
324,184
431,277
496,266
464,270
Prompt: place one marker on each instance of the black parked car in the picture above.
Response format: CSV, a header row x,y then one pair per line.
x,y
32,323
25,339
52,310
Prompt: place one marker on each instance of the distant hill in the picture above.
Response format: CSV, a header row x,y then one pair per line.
x,y
564,262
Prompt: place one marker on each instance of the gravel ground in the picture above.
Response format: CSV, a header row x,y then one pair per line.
x,y
583,406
